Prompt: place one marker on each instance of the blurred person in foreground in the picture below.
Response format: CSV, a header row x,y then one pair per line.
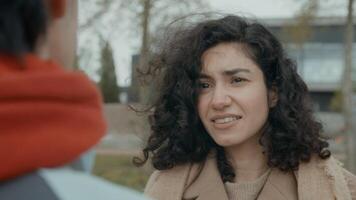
x,y
233,120
49,116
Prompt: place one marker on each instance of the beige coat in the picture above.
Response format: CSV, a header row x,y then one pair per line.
x,y
315,180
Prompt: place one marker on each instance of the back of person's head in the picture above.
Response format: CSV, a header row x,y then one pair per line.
x,y
33,26
23,22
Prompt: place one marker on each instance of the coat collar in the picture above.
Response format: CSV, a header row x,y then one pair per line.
x,y
207,184
316,179
322,179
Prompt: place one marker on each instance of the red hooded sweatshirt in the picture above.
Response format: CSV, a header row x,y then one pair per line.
x,y
48,116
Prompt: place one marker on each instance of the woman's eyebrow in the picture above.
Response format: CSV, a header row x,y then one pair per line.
x,y
234,71
229,72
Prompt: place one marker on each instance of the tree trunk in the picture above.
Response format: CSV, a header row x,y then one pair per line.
x,y
347,90
145,47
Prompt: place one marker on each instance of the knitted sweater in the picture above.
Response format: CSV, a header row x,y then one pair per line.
x,y
246,190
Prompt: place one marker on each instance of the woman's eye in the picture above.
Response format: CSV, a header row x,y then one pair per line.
x,y
204,85
237,80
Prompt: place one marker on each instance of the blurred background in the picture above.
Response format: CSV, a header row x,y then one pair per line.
x,y
115,36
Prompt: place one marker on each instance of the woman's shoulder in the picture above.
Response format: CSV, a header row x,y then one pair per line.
x,y
351,182
349,178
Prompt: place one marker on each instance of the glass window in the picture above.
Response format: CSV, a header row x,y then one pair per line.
x,y
321,63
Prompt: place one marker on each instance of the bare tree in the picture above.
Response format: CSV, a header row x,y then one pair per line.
x,y
96,23
101,9
150,15
347,89
146,17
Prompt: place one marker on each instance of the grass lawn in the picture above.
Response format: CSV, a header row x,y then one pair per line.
x,y
119,169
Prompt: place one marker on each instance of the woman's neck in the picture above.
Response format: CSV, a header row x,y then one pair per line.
x,y
248,160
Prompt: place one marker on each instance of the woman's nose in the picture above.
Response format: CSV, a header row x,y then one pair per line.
x,y
221,99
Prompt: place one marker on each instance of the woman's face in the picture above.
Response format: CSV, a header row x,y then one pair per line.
x,y
233,102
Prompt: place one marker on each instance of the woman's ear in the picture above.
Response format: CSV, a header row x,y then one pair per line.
x,y
57,8
273,97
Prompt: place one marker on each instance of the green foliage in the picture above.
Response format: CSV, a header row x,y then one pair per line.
x,y
120,170
108,81
337,102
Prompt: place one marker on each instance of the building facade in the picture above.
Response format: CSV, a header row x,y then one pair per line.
x,y
320,59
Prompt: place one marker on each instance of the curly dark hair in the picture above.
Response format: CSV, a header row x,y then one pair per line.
x,y
177,133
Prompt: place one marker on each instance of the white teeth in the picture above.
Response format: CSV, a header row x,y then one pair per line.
x,y
225,120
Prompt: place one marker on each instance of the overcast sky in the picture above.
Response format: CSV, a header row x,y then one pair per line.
x,y
257,8
125,45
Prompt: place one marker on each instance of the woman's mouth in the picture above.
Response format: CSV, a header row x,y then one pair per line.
x,y
225,121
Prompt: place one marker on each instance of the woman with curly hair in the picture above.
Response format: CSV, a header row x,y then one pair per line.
x,y
233,120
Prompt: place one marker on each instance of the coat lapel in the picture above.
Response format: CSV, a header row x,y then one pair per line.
x,y
168,184
208,184
279,186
